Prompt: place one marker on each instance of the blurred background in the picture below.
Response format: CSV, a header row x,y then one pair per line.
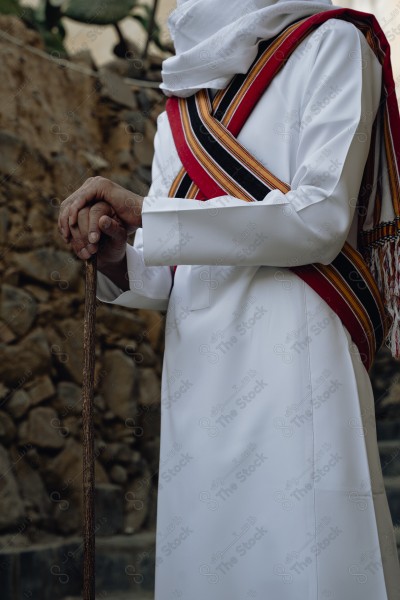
x,y
79,97
81,36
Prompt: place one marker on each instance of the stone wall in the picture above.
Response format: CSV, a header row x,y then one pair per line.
x,y
58,127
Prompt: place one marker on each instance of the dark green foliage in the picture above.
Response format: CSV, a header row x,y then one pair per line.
x,y
47,18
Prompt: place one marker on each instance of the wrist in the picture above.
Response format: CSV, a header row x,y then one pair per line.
x,y
117,271
110,264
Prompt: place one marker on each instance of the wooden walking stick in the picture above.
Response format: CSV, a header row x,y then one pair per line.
x,y
89,328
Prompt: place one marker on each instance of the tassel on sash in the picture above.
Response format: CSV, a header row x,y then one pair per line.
x,y
383,262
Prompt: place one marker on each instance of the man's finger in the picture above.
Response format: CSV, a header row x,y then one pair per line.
x,y
96,212
94,187
79,235
112,228
83,223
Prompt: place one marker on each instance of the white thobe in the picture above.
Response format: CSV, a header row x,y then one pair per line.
x,y
270,483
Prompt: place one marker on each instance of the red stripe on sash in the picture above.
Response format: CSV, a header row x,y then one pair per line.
x,y
197,173
328,292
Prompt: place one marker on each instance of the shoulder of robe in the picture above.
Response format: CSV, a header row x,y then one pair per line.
x,y
338,49
163,137
165,154
335,47
162,120
341,39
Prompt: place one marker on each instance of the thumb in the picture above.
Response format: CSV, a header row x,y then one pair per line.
x,y
112,228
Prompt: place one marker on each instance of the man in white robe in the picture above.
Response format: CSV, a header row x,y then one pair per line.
x,y
270,483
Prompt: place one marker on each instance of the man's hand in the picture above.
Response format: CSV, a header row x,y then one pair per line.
x,y
126,206
111,247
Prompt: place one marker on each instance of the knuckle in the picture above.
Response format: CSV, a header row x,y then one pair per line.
x,y
99,180
104,182
94,209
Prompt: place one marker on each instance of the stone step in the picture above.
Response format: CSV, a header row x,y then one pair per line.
x,y
392,486
389,452
125,564
397,535
388,430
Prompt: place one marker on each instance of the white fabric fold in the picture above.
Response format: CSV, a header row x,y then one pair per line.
x,y
149,287
214,39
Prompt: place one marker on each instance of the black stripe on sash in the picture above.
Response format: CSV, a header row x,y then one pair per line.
x,y
358,285
224,159
184,186
237,82
229,94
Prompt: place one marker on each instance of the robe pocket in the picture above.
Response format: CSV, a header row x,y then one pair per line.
x,y
200,284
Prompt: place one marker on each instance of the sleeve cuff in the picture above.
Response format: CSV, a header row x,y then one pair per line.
x,y
106,291
161,231
148,287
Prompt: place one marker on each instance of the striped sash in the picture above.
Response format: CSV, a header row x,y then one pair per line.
x,y
216,164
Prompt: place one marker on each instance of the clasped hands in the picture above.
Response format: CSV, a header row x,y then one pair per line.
x,y
98,207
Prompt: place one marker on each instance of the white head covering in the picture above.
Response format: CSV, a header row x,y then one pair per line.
x,y
215,39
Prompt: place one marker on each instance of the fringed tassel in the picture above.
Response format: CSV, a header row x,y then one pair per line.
x,y
384,263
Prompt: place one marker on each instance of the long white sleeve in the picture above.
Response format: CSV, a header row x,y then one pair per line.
x,y
340,97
